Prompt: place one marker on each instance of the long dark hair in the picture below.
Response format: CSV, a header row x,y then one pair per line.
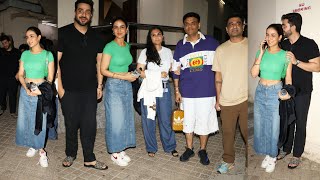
x,y
152,53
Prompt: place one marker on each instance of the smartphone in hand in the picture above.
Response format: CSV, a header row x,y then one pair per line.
x,y
265,45
136,73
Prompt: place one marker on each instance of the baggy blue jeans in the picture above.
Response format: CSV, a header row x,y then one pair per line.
x,y
120,129
26,122
266,119
167,135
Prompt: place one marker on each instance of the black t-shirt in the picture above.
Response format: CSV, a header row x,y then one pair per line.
x,y
78,61
9,62
304,49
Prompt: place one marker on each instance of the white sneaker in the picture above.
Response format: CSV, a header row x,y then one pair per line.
x,y
124,156
117,159
31,152
43,159
265,162
271,165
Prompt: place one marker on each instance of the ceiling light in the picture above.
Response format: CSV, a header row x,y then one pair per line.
x,y
222,2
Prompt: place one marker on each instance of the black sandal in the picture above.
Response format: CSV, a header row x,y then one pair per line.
x,y
295,161
282,155
99,165
151,154
175,153
69,160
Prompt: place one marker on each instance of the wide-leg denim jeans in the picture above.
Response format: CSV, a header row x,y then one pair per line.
x,y
167,135
120,128
266,119
26,122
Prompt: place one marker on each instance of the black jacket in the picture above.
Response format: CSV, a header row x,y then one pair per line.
x,y
45,105
287,114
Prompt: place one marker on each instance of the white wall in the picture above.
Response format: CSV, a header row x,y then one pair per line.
x,y
258,20
16,27
66,12
169,13
165,12
200,7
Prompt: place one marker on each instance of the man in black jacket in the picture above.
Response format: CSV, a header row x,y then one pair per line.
x,y
9,65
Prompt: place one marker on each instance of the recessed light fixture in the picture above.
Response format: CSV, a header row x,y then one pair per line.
x,y
48,23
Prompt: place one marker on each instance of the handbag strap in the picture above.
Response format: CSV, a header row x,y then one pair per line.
x,y
178,105
47,63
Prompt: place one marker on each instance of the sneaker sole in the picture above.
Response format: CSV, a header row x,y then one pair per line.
x,y
122,165
206,163
187,159
44,166
231,167
32,154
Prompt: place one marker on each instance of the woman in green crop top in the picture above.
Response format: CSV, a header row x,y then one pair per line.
x,y
118,98
35,65
272,65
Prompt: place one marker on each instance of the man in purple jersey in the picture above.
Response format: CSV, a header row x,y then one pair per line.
x,y
194,85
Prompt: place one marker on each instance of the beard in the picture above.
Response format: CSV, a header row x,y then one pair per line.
x,y
287,34
82,24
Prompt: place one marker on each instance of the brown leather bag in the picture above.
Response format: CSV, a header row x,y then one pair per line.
x,y
177,119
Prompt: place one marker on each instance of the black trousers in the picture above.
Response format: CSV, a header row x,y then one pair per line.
x,y
8,86
297,130
79,110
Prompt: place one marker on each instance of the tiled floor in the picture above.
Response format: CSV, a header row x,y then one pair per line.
x,y
308,170
15,165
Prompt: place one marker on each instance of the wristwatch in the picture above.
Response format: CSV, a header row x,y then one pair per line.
x,y
297,62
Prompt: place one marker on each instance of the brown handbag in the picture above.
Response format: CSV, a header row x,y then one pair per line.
x,y
177,119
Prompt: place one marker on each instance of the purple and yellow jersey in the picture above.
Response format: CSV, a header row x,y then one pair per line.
x,y
196,78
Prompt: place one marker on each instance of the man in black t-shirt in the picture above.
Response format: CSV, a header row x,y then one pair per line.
x,y
80,83
304,55
9,66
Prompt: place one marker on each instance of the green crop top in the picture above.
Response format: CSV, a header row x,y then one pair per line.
x,y
35,65
120,57
273,66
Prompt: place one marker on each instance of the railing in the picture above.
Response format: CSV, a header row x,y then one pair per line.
x,y
137,26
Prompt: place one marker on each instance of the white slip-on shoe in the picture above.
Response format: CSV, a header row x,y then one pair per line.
x,y
265,162
31,152
117,159
271,165
124,156
43,161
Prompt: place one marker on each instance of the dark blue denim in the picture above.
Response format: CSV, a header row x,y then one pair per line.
x,y
167,135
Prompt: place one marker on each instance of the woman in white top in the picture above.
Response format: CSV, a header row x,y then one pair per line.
x,y
156,57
